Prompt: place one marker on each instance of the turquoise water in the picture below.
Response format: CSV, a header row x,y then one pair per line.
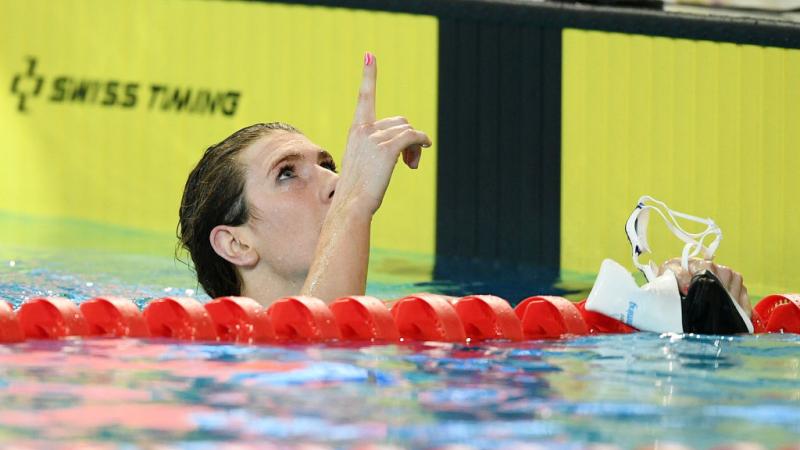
x,y
626,390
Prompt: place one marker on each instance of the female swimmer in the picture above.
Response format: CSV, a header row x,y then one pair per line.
x,y
264,213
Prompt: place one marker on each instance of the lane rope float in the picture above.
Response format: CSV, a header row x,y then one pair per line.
x,y
10,329
302,319
428,317
51,318
488,317
180,318
114,316
363,319
549,317
241,320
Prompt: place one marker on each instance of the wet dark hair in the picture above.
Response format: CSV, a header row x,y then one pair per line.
x,y
214,195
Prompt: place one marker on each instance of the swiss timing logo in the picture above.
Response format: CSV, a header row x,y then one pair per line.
x,y
80,90
27,85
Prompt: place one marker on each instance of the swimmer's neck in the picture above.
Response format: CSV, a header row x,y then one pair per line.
x,y
265,287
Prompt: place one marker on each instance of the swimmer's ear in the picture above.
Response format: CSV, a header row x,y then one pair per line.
x,y
226,243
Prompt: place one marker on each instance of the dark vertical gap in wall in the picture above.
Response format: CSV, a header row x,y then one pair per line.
x,y
551,143
498,208
469,111
540,156
530,123
446,189
509,170
457,168
487,146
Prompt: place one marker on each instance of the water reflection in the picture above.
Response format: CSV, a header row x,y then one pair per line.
x,y
628,390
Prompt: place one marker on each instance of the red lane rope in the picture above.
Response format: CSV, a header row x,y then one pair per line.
x,y
418,317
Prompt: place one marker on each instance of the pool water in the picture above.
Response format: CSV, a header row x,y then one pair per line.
x,y
627,390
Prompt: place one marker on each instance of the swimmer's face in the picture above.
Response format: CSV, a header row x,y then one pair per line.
x,y
289,184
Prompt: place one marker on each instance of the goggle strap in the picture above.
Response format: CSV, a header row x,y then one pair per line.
x,y
636,229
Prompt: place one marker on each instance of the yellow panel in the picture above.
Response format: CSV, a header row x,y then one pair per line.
x,y
709,128
127,165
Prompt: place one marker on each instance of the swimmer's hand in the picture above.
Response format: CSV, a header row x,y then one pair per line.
x,y
373,147
731,280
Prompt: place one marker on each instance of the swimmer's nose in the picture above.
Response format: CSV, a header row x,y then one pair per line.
x,y
329,187
332,189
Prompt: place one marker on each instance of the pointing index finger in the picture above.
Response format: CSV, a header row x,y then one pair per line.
x,y
365,108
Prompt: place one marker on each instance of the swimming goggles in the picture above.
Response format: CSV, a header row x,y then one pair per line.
x,y
636,229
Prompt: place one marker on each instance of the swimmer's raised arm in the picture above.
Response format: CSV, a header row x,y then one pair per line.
x,y
373,146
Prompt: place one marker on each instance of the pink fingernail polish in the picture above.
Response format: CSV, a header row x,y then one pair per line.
x,y
368,58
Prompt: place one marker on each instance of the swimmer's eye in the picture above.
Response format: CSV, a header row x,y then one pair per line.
x,y
330,165
286,172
